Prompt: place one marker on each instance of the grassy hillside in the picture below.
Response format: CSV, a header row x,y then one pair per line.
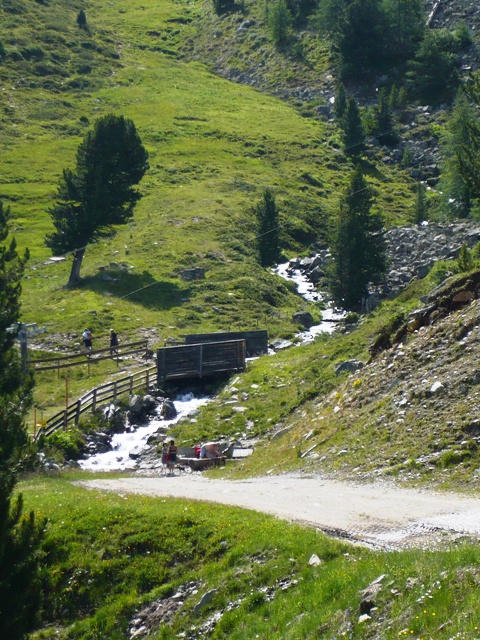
x,y
213,147
109,559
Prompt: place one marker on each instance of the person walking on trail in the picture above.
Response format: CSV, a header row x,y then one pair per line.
x,y
172,457
87,339
113,343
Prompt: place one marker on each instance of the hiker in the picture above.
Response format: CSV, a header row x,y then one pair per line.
x,y
210,450
87,339
165,457
172,457
113,343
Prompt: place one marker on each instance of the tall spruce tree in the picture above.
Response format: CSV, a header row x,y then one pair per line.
x,y
20,534
358,247
469,151
456,137
385,125
100,192
268,239
353,129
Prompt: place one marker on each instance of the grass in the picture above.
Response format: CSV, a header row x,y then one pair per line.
x,y
107,556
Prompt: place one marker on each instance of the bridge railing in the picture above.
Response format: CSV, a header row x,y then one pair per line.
x,y
93,398
89,357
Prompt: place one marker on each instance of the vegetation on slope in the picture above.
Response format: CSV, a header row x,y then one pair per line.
x,y
107,558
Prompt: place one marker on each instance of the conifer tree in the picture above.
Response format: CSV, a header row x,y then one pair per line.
x,y
340,104
455,189
421,205
279,22
465,260
358,247
268,239
469,152
353,132
100,192
82,20
20,534
385,126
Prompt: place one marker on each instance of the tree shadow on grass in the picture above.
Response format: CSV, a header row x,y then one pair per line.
x,y
141,289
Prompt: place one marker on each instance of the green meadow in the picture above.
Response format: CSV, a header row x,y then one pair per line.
x,y
107,556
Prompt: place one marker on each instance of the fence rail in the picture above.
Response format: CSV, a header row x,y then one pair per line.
x,y
75,359
90,400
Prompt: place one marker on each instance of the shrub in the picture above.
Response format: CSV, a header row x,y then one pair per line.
x,y
65,445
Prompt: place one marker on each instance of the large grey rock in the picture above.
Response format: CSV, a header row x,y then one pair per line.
x,y
304,318
349,365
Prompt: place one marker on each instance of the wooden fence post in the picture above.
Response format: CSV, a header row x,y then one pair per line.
x,y
115,391
65,419
77,412
131,384
200,357
94,400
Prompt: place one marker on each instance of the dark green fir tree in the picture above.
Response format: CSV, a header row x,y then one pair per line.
x,y
100,193
358,247
268,239
353,129
20,534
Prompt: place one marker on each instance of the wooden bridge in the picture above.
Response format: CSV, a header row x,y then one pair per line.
x,y
200,360
256,342
214,355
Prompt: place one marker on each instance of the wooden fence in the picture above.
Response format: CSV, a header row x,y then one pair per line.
x,y
92,399
200,360
256,342
89,357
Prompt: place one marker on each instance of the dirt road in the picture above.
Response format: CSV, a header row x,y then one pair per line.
x,y
379,515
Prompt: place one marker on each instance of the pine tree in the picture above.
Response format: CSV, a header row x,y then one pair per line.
x,y
354,132
465,260
421,205
82,20
340,104
455,189
100,193
469,152
268,239
20,535
385,126
279,22
358,247
362,40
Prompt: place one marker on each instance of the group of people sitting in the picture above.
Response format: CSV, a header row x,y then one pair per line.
x,y
209,450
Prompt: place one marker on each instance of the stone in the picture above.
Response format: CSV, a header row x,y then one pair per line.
x,y
205,599
197,273
168,411
314,560
349,365
304,318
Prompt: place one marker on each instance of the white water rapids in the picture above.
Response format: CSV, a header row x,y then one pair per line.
x,y
133,442
308,291
124,444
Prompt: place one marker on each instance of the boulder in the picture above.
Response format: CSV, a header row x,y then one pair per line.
x,y
349,365
168,410
304,318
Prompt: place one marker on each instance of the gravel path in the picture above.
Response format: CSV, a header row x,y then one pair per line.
x,y
380,515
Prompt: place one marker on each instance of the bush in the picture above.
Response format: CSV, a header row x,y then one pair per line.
x,y
65,445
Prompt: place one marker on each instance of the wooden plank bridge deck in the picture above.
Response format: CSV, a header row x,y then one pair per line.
x,y
200,360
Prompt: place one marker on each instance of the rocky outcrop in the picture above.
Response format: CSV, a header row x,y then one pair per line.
x,y
411,250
